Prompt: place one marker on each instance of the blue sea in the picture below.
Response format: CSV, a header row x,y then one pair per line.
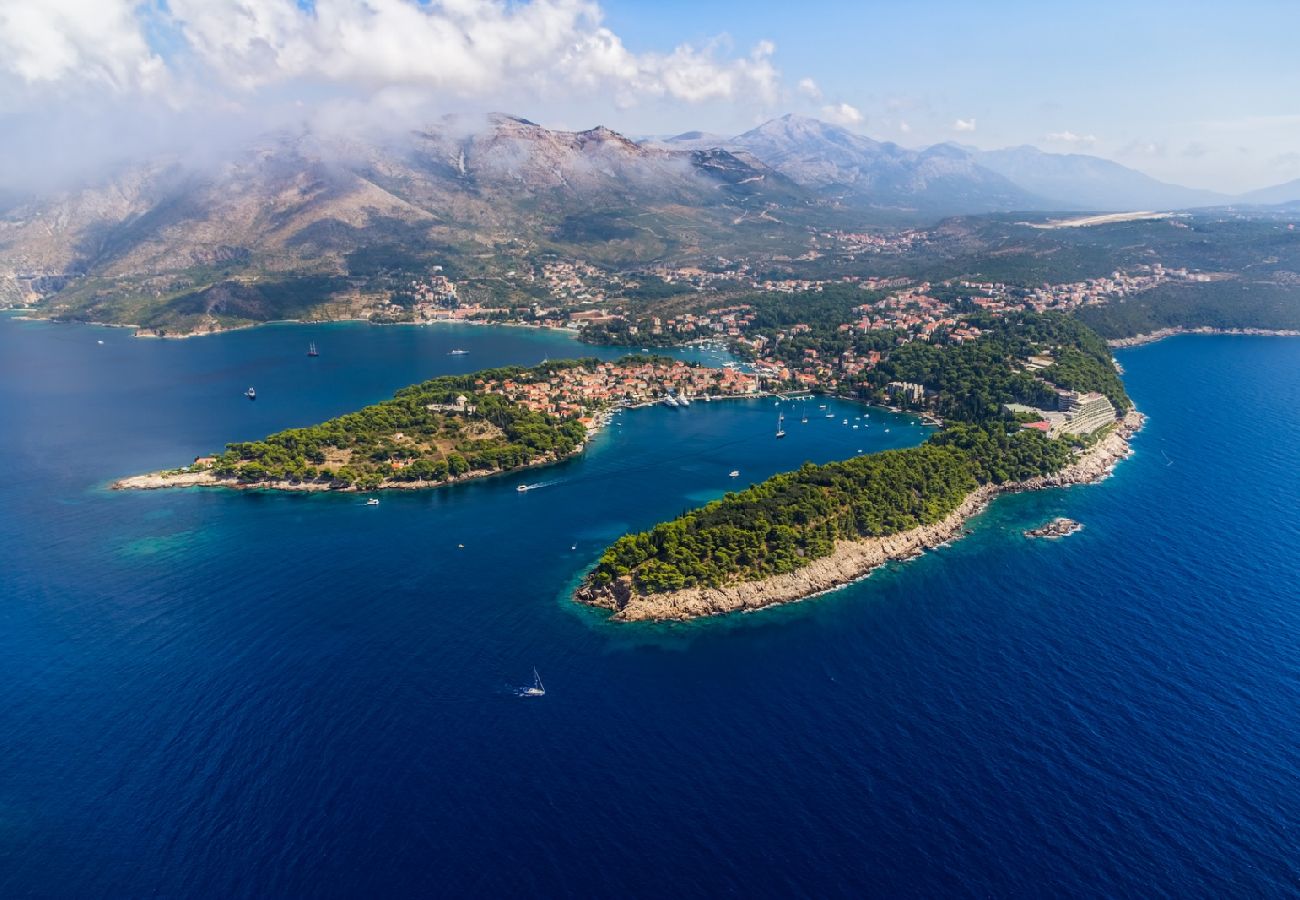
x,y
221,694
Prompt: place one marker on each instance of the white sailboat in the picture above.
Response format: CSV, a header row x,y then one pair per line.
x,y
780,425
536,689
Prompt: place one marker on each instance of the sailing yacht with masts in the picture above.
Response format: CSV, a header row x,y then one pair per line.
x,y
536,689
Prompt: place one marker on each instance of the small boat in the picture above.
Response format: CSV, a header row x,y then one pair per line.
x,y
524,487
536,689
844,422
250,394
311,350
99,342
821,406
856,427
734,473
830,415
461,353
373,501
886,431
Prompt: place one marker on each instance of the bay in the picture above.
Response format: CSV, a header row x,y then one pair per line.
x,y
208,693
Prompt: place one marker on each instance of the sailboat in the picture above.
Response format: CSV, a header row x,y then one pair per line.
x,y
805,414
536,689
780,425
311,350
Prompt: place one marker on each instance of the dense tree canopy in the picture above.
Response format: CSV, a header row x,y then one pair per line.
x,y
796,517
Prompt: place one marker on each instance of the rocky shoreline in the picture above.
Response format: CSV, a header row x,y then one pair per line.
x,y
851,560
1151,337
152,481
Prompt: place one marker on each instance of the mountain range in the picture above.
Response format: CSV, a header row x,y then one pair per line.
x,y
481,197
952,179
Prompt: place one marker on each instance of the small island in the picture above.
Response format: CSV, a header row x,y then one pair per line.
x,y
453,428
1057,528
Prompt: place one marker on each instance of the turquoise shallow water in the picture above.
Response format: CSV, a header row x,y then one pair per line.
x,y
218,694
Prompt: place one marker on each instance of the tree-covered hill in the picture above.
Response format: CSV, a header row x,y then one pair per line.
x,y
419,435
791,519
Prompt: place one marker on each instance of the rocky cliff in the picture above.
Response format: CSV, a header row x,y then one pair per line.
x,y
851,560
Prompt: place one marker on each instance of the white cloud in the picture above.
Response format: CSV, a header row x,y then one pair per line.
x,y
963,125
463,47
809,89
454,48
75,43
904,127
843,114
1069,137
1142,148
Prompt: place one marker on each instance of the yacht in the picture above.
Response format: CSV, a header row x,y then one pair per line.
x,y
373,501
683,400
250,394
670,400
536,689
458,353
734,473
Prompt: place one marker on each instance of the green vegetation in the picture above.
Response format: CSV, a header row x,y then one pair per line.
x,y
970,382
1217,304
404,439
793,518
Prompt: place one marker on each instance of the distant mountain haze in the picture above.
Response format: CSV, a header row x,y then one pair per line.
x,y
298,204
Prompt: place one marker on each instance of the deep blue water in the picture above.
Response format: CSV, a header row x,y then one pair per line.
x,y
207,693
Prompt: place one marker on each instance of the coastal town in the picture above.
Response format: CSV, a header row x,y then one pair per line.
x,y
585,390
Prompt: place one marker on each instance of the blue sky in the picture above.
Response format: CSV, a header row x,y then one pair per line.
x,y
1203,93
1206,94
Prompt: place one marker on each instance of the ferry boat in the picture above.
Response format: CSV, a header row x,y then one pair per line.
x,y
250,394
311,350
536,689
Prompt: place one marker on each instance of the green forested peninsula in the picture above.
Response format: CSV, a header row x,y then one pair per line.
x,y
423,434
796,517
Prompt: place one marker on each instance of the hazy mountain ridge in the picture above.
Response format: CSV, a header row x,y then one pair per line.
x,y
485,196
950,178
